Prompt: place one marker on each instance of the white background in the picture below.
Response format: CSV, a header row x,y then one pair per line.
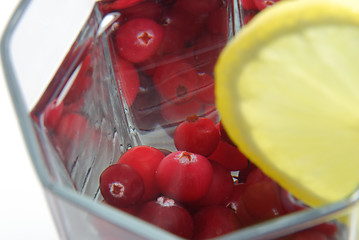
x,y
24,213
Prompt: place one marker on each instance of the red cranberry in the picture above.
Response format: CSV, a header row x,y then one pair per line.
x,y
220,190
224,134
138,39
52,114
262,200
197,7
236,204
167,214
205,92
218,22
176,81
207,49
145,160
329,229
262,4
147,9
146,106
248,17
214,221
121,185
188,25
197,135
184,176
128,80
176,113
229,156
249,4
72,126
309,235
113,5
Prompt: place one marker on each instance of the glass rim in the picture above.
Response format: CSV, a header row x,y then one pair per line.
x,y
284,224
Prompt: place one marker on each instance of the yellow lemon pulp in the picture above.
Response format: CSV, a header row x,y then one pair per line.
x,y
287,90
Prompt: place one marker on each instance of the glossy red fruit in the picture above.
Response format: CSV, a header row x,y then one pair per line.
x,y
205,89
119,4
196,7
207,49
309,235
220,190
262,200
176,113
72,126
138,39
249,4
148,9
127,79
224,134
257,175
146,106
168,215
176,81
218,21
196,135
214,221
236,204
121,185
52,114
145,160
229,156
248,17
184,176
187,24
262,4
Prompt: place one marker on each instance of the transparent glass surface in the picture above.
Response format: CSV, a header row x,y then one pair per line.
x,y
60,56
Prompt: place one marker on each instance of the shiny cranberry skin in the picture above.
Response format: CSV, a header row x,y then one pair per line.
x,y
196,7
217,21
309,235
262,4
224,134
188,25
220,190
121,185
145,160
72,126
197,135
262,200
52,114
147,9
229,156
184,176
236,204
138,39
127,79
214,221
249,4
257,175
168,215
176,81
177,113
205,89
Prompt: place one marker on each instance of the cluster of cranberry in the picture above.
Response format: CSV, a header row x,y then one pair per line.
x,y
164,53
193,193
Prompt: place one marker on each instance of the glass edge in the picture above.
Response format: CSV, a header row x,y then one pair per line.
x,y
18,102
297,221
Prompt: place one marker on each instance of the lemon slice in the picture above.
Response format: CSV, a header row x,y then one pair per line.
x,y
287,89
